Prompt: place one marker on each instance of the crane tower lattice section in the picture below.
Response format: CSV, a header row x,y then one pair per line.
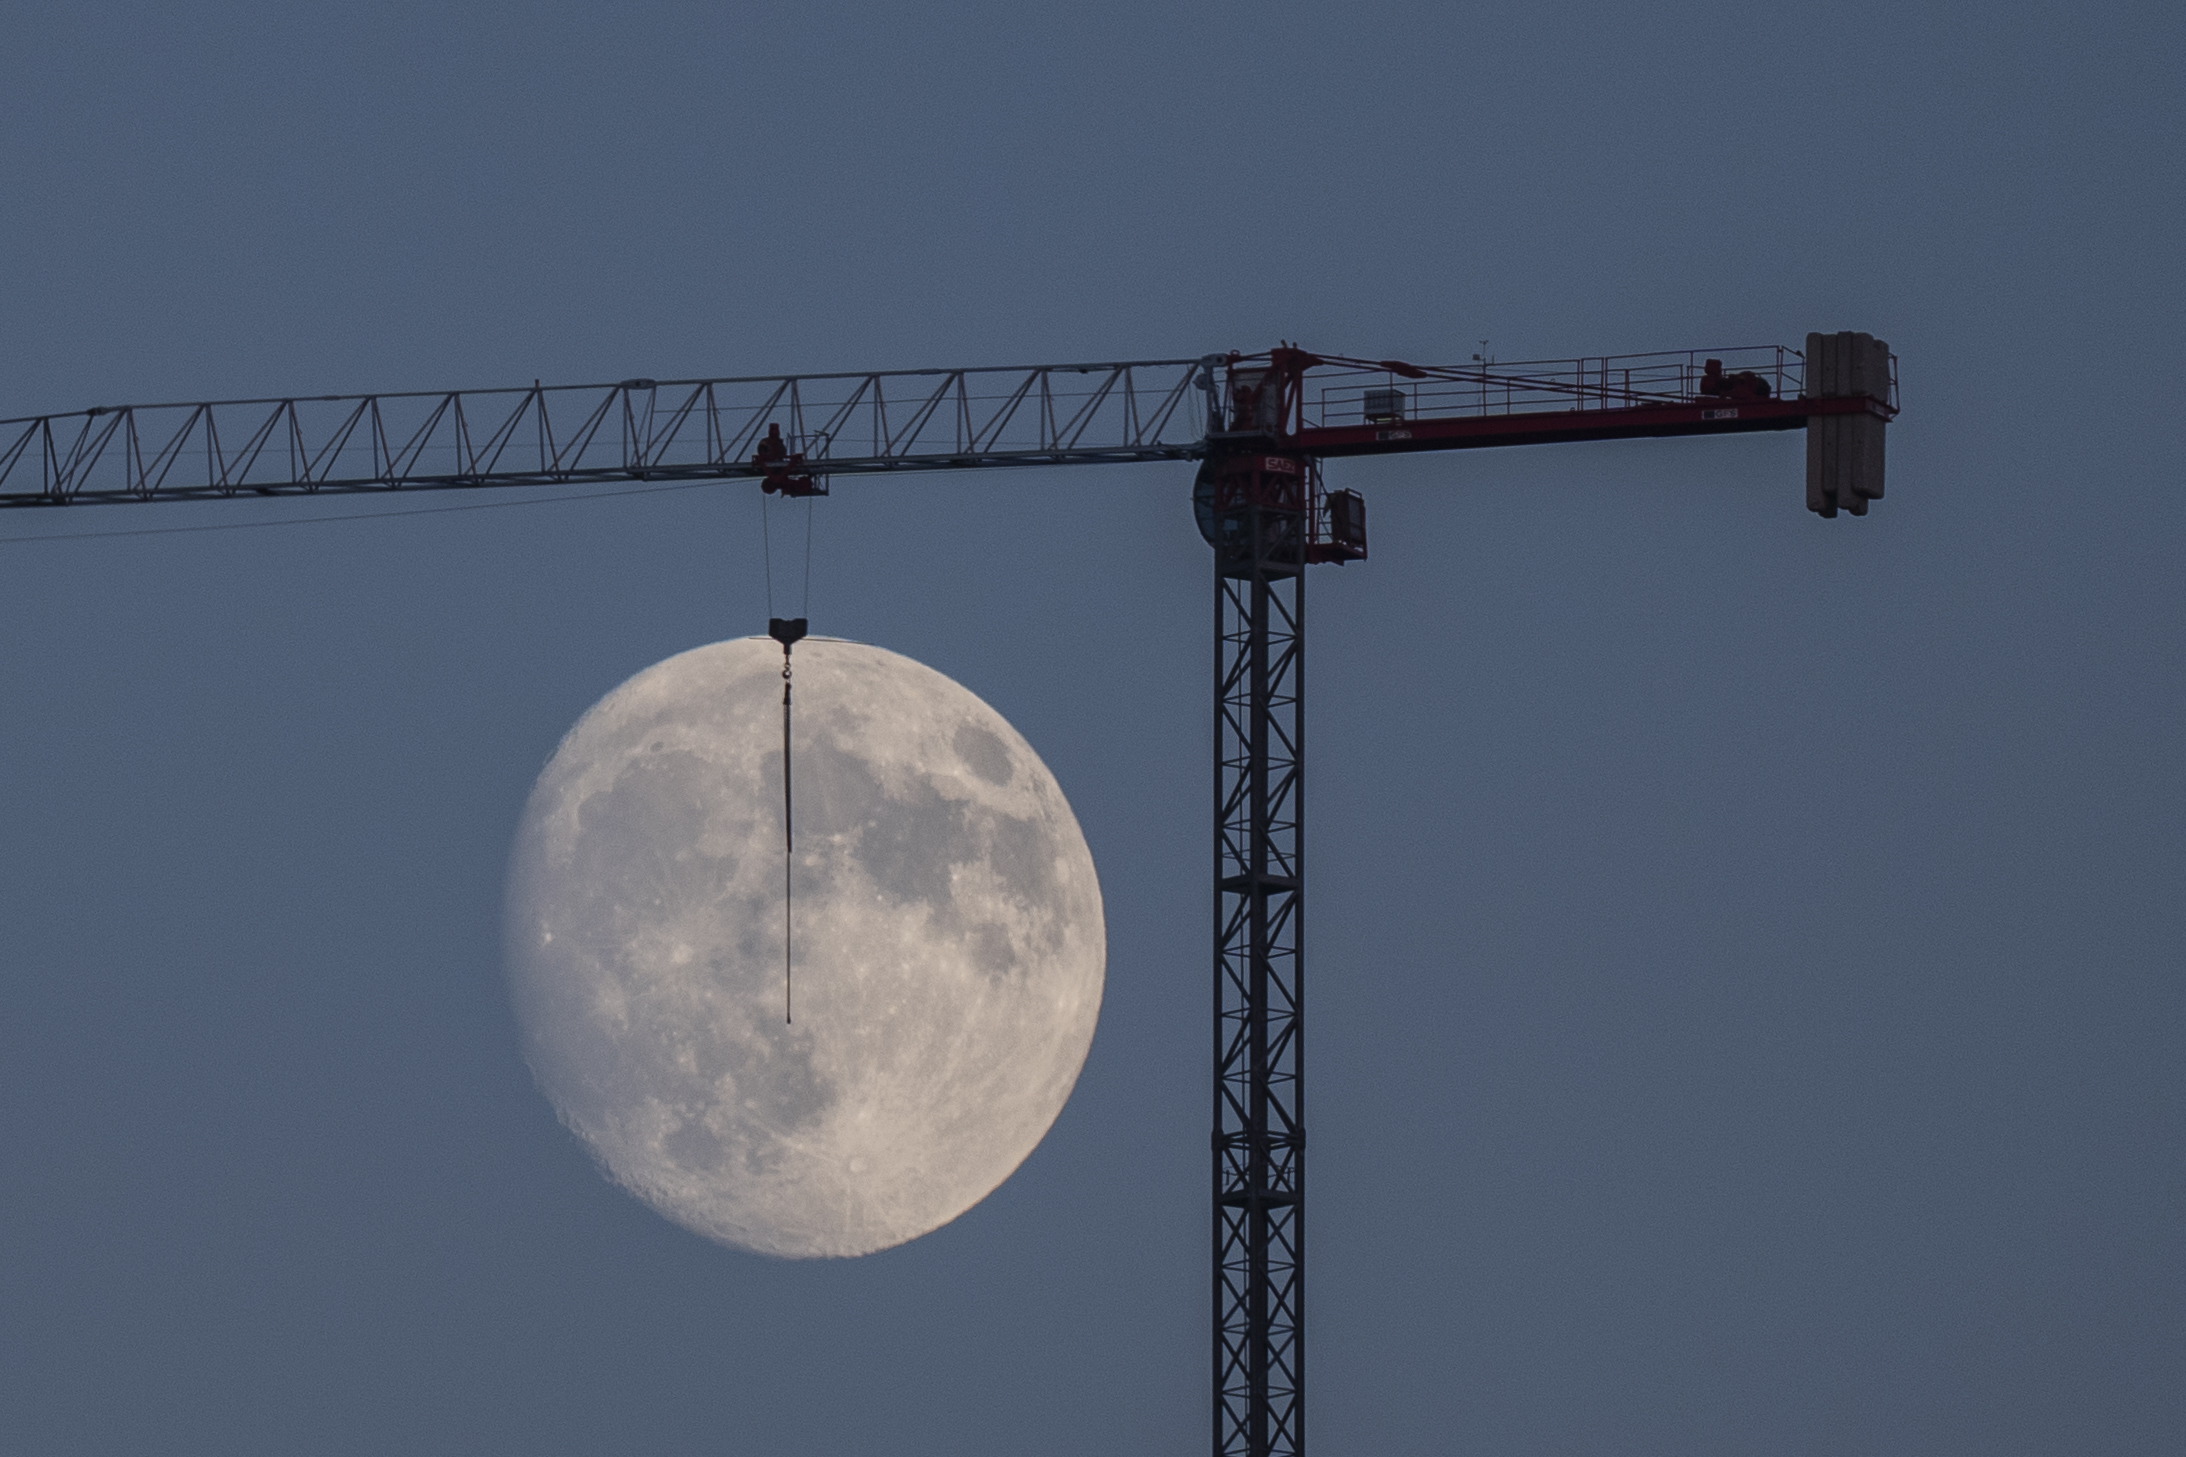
x,y
1261,522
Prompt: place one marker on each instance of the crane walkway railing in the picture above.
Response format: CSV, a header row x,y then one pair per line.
x,y
1356,392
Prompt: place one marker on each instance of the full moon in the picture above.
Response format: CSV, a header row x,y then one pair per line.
x,y
945,922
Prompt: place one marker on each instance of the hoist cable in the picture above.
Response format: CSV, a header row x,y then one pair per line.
x,y
789,851
787,633
766,550
805,609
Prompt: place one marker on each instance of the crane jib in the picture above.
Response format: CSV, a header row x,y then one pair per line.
x,y
792,432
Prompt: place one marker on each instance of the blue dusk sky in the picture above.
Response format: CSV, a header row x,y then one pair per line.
x,y
1748,951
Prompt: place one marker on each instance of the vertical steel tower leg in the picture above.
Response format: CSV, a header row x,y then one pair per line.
x,y
1259,962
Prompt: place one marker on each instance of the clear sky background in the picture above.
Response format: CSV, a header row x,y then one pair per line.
x,y
1747,950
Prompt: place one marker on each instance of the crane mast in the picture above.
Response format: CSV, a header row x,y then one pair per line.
x,y
1261,530
1258,425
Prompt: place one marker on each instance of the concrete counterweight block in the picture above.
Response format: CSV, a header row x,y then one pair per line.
x,y
1844,453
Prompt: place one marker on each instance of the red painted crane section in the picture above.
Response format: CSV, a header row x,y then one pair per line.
x,y
1325,406
1636,422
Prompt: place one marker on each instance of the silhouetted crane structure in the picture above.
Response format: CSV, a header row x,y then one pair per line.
x,y
1259,426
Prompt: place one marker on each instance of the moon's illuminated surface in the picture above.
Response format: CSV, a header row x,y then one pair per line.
x,y
948,936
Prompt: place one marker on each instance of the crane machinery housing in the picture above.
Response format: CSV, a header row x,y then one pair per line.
x,y
1259,426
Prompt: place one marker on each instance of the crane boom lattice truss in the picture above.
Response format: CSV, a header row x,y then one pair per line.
x,y
1259,425
635,430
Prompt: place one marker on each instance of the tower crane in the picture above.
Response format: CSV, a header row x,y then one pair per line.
x,y
1258,426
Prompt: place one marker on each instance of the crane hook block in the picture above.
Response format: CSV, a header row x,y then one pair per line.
x,y
787,631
